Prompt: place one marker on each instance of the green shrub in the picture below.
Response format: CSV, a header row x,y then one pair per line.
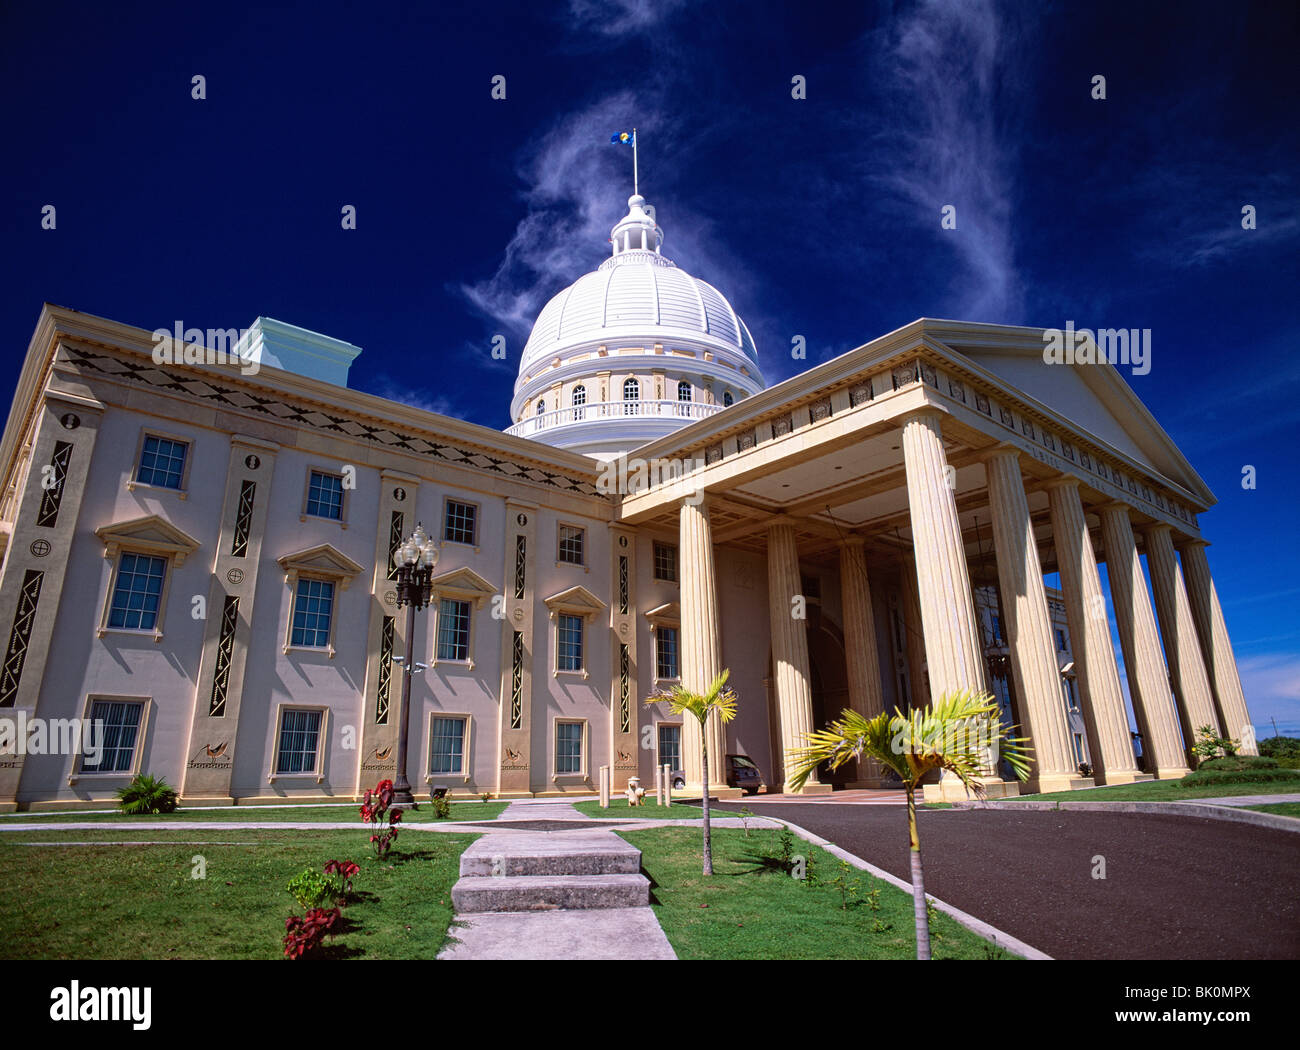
x,y
1237,763
1210,777
441,807
146,795
312,889
1280,747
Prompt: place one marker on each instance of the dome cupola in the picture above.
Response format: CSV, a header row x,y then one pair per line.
x,y
631,351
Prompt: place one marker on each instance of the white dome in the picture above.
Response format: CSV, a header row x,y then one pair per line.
x,y
636,292
632,351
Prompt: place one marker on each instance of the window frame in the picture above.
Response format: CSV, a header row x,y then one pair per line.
x,y
466,754
659,727
447,501
322,736
141,737
584,741
344,502
581,669
133,482
559,544
468,659
656,547
677,652
314,577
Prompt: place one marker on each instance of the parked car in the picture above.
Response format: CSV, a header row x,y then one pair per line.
x,y
742,773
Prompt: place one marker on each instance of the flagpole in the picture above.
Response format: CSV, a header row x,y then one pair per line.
x,y
635,191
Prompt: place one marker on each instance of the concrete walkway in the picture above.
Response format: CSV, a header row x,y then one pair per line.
x,y
1245,800
554,894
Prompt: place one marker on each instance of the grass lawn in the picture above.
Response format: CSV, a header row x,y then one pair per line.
x,y
105,901
750,909
620,810
1285,809
1170,791
460,811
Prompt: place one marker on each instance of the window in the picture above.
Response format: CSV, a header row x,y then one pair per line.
x,y
541,406
666,652
631,395
666,562
453,629
299,742
137,593
568,747
162,462
568,636
447,746
571,541
997,629
1062,644
579,399
119,723
325,496
670,745
460,522
727,399
313,612
684,397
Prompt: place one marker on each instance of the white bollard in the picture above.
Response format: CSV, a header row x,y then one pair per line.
x,y
659,787
604,787
667,781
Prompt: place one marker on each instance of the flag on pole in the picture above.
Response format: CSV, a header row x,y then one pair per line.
x,y
623,138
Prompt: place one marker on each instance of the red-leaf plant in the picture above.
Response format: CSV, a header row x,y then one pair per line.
x,y
304,933
374,808
345,870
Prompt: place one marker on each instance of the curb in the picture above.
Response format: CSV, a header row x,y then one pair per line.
x,y
979,926
1231,814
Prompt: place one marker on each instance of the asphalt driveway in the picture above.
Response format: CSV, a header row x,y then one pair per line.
x,y
1175,887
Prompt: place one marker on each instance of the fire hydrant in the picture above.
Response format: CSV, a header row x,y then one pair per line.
x,y
635,792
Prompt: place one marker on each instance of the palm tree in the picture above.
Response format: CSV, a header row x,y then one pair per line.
x,y
701,705
960,733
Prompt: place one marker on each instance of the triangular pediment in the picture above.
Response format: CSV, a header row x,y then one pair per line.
x,y
669,613
576,600
1094,396
324,558
151,533
463,583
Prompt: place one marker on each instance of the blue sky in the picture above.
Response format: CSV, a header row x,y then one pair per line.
x,y
817,217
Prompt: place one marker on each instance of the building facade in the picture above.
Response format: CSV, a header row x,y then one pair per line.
x,y
199,557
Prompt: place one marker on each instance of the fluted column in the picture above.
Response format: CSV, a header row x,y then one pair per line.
x,y
790,673
862,659
914,642
1104,711
1182,650
1029,627
701,642
952,644
1144,663
1212,630
953,656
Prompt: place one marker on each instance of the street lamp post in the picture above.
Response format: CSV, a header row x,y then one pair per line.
x,y
416,560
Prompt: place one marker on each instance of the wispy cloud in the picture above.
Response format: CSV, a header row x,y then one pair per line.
x,y
1271,683
621,17
951,141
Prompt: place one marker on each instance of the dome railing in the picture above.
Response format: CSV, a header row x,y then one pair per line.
x,y
595,410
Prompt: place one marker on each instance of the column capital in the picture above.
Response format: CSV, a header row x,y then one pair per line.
x,y
1183,542
1000,450
926,413
1064,481
1155,528
853,540
1114,504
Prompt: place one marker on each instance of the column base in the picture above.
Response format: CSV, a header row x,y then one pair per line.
x,y
814,789
950,789
872,784
1058,782
1126,777
186,802
720,793
1172,773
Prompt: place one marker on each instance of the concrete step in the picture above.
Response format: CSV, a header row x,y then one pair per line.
x,y
510,855
477,893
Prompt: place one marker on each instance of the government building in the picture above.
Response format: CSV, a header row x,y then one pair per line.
x,y
201,555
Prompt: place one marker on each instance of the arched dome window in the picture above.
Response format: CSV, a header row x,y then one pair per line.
x,y
579,399
541,406
684,397
727,399
631,396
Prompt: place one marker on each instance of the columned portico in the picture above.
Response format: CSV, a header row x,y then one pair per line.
x,y
952,647
1182,650
1094,655
1220,664
1029,627
860,652
1148,677
789,650
701,642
